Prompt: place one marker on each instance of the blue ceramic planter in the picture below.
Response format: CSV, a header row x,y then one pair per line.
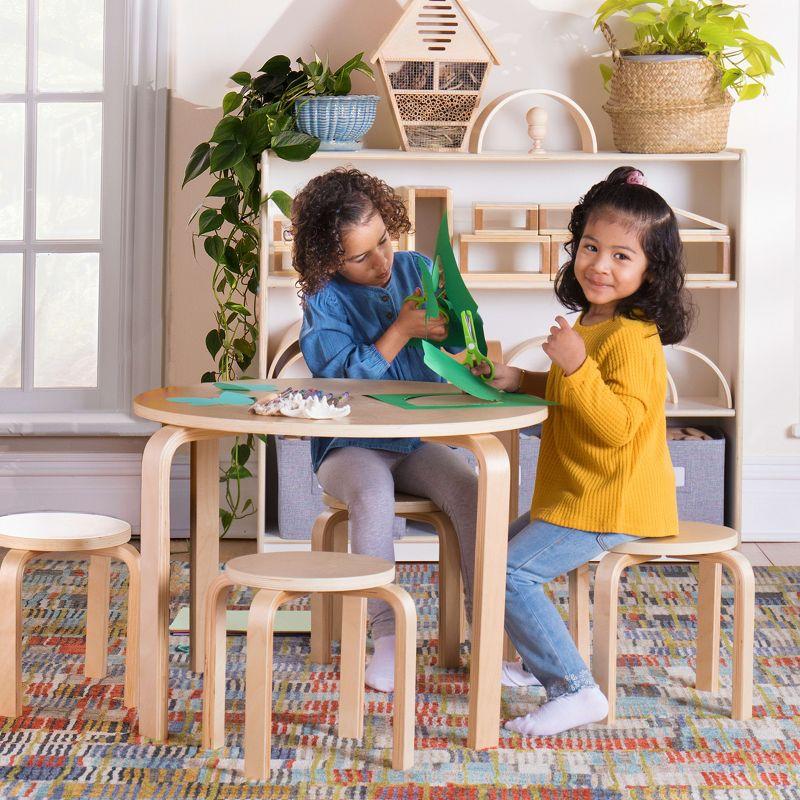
x,y
338,121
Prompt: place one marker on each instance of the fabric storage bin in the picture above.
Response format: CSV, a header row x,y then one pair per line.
x,y
700,476
299,494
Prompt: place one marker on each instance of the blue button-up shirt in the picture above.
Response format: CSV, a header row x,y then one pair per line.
x,y
342,322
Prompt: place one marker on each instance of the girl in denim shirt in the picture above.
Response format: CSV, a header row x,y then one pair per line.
x,y
356,324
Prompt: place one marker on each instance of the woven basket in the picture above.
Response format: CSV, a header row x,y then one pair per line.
x,y
667,106
338,121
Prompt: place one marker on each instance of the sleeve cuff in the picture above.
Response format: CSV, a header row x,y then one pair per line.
x,y
374,363
576,380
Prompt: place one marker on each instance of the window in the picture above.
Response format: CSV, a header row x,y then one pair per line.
x,y
69,75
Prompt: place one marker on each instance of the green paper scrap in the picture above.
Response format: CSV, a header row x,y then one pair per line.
x,y
461,376
509,399
236,621
245,386
224,399
428,290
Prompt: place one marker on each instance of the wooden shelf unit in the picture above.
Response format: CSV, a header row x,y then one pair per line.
x,y
415,166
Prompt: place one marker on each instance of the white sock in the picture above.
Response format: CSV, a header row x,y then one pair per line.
x,y
565,712
514,674
380,670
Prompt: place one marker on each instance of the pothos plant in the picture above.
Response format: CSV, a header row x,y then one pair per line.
x,y
707,27
258,116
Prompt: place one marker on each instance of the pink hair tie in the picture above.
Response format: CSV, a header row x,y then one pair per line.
x,y
636,176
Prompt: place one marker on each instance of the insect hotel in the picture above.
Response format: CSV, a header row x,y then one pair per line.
x,y
435,61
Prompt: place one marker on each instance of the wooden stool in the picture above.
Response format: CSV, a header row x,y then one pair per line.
x,y
713,547
330,535
67,536
279,577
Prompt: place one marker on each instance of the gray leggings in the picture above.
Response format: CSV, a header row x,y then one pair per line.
x,y
366,480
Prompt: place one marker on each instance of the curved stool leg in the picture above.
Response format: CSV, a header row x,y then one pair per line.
x,y
450,595
214,672
96,660
405,662
322,540
709,607
258,683
578,581
604,642
743,631
11,572
351,669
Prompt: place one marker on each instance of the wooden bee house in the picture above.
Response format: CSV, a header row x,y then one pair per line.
x,y
435,61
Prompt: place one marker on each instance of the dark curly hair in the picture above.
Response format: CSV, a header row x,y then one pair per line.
x,y
661,298
328,204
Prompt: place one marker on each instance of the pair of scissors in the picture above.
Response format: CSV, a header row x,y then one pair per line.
x,y
474,358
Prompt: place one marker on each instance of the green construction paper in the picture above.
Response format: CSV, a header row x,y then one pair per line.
x,y
508,399
461,376
224,399
245,386
428,290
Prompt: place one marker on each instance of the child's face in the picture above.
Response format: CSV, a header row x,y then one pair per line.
x,y
610,264
368,253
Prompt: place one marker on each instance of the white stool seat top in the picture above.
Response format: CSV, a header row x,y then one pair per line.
x,y
403,504
310,572
693,539
62,531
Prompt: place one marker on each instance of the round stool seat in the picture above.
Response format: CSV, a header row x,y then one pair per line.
x,y
693,539
62,531
403,504
310,571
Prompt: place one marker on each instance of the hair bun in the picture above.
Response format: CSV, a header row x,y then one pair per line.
x,y
626,175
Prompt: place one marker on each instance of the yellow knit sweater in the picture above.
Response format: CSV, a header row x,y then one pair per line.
x,y
604,464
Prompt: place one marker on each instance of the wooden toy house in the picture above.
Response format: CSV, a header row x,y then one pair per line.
x,y
435,61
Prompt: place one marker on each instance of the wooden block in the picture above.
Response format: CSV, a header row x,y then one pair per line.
x,y
508,237
554,218
531,212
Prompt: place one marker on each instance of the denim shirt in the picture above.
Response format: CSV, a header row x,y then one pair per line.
x,y
342,322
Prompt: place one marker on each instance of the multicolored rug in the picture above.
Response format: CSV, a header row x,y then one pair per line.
x,y
76,741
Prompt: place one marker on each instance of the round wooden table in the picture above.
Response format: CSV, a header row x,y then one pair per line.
x,y
489,433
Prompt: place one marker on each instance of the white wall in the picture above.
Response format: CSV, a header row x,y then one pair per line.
x,y
543,44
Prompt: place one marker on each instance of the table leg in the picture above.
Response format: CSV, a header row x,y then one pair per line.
x,y
204,541
488,606
154,635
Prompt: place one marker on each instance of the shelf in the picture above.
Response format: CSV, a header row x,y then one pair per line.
x,y
370,154
487,280
698,407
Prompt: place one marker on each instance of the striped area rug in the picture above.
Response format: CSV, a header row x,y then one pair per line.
x,y
75,740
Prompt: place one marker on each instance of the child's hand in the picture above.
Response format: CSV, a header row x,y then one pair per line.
x,y
565,347
505,378
414,322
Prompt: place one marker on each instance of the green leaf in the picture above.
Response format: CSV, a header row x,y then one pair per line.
x,y
247,504
277,65
643,18
214,339
215,247
245,171
242,78
244,347
607,73
282,200
230,209
224,187
234,473
256,131
208,377
210,220
226,155
240,453
750,91
294,146
227,128
198,162
730,76
231,102
238,308
225,517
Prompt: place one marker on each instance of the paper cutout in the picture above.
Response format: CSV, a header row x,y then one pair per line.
x,y
223,399
245,386
509,399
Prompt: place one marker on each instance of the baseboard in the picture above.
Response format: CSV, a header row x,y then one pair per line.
x,y
771,500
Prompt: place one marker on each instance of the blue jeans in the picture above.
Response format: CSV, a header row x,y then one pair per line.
x,y
538,552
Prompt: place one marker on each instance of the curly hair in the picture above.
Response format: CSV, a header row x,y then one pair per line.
x,y
327,205
661,298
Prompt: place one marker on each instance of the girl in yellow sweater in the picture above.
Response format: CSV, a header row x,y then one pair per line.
x,y
604,474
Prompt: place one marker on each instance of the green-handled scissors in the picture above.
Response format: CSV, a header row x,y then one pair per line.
x,y
474,358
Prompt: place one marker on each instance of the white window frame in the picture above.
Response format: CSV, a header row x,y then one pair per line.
x,y
132,232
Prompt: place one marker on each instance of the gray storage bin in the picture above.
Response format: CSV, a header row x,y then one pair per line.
x,y
700,477
299,494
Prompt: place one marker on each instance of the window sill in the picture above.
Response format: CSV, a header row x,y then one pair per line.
x,y
77,423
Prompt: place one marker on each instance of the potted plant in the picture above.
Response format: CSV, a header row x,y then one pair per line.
x,y
328,111
259,115
672,91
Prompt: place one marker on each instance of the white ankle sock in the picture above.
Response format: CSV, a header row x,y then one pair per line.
x,y
565,712
380,670
514,674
